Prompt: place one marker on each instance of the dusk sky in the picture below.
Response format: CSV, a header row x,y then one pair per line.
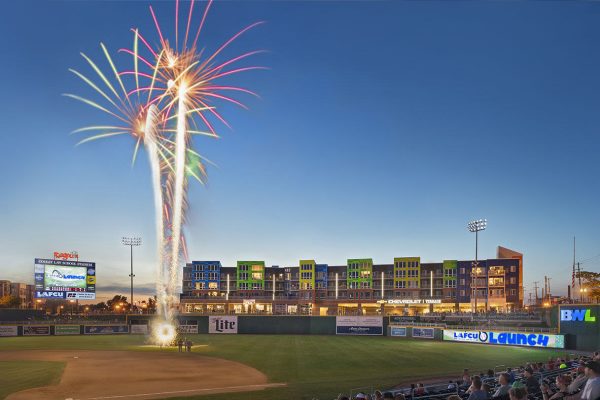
x,y
381,129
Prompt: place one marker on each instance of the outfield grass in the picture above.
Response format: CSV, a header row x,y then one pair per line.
x,y
21,375
313,366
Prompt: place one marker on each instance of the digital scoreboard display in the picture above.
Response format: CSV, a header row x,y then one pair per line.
x,y
62,279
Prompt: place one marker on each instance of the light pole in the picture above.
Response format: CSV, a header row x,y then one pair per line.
x,y
476,226
131,241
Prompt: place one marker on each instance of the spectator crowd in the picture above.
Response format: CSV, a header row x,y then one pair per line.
x,y
557,379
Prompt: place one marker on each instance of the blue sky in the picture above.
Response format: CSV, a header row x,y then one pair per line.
x,y
382,128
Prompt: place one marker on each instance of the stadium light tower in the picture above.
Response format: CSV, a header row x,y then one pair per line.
x,y
131,241
476,226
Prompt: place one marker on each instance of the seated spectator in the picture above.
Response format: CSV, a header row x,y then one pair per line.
x,y
360,396
452,385
453,397
399,396
420,391
518,393
591,390
562,383
476,392
490,373
378,395
487,389
511,375
504,381
579,379
531,383
466,378
389,396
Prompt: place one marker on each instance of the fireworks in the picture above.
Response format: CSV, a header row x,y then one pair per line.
x,y
175,86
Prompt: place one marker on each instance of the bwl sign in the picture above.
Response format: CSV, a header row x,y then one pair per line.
x,y
222,324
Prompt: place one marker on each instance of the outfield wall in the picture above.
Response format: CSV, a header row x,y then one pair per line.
x,y
580,324
579,328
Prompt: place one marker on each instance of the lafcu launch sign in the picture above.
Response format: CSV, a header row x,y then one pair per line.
x,y
506,338
577,315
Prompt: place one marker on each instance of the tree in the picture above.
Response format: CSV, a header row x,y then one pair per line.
x,y
9,301
99,307
152,304
118,303
591,284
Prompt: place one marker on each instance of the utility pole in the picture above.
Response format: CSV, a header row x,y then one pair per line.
x,y
535,286
549,292
579,283
530,298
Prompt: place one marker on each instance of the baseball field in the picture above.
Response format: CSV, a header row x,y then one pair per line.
x,y
232,367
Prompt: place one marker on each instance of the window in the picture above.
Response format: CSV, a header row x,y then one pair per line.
x,y
243,276
401,274
450,283
400,285
462,282
513,268
306,275
353,275
450,272
244,268
243,285
513,280
306,267
365,285
213,285
462,270
257,276
413,273
462,293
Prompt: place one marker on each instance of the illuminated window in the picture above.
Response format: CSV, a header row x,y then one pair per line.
x,y
257,276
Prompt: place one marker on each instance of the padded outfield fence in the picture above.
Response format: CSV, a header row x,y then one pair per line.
x,y
575,327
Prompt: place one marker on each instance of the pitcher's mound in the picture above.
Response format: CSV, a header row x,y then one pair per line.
x,y
138,375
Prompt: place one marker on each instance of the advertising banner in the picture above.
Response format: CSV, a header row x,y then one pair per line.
x,y
222,324
36,330
507,338
139,329
189,329
66,330
422,333
358,325
105,329
8,330
401,319
398,331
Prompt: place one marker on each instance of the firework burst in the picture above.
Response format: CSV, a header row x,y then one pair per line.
x,y
172,100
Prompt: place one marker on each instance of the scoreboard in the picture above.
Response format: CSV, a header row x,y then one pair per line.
x,y
63,279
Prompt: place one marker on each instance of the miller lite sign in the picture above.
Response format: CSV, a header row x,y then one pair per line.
x,y
222,324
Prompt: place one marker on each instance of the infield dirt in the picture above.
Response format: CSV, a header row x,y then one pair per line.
x,y
95,375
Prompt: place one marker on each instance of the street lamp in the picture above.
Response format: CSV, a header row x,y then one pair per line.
x,y
476,226
582,296
131,241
